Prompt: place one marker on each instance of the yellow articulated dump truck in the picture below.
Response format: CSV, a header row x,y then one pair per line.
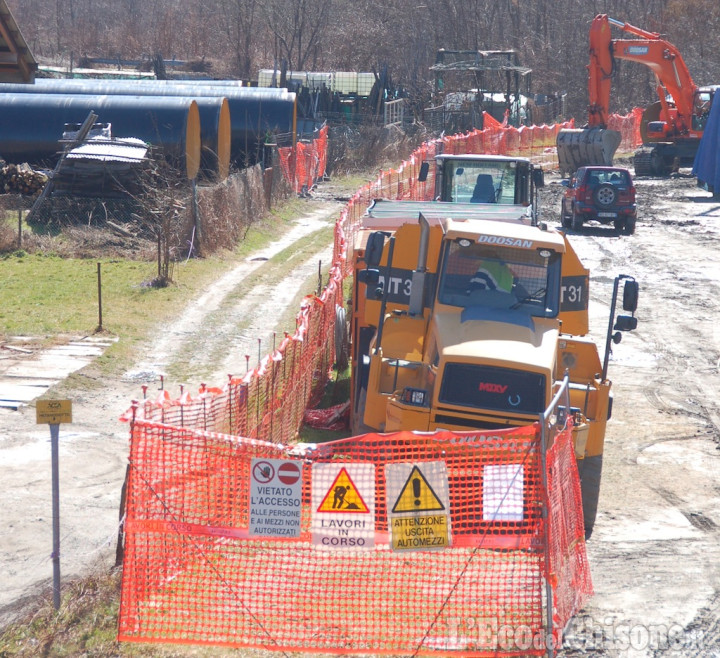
x,y
469,319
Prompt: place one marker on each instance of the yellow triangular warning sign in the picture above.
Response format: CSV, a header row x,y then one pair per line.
x,y
417,495
343,496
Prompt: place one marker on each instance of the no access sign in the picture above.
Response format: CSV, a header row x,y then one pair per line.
x,y
275,498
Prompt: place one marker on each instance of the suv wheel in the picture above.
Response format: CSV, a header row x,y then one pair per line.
x,y
620,225
606,194
630,225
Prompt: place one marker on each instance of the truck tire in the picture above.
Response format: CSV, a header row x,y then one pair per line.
x,y
590,470
630,225
341,339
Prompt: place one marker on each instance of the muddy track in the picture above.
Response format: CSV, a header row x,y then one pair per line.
x,y
654,556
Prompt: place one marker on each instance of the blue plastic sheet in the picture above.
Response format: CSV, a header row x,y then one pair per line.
x,y
707,160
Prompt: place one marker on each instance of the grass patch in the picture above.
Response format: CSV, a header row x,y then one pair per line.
x,y
46,295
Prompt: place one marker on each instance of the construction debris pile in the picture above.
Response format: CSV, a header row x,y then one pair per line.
x,y
21,179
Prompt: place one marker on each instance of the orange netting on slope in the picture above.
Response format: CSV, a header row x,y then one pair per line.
x,y
436,546
269,401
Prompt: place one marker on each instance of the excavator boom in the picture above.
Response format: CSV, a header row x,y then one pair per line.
x,y
664,121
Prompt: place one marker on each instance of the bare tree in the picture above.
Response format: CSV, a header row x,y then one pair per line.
x,y
238,21
297,27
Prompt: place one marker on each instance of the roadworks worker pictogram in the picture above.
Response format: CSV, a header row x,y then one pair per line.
x,y
343,496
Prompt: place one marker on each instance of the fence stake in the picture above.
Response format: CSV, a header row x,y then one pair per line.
x,y
19,228
99,285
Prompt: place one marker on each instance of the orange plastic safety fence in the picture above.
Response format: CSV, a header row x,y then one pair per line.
x,y
628,126
568,568
269,401
400,543
305,163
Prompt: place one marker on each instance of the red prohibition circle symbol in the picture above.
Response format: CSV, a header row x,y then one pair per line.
x,y
263,472
289,473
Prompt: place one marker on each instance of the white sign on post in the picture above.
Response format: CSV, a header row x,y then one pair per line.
x,y
275,498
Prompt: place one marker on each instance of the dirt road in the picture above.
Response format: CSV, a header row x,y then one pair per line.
x,y
655,553
226,320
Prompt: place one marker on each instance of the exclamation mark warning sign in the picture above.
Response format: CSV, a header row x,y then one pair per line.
x,y
418,506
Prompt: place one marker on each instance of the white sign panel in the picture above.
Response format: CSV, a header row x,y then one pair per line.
x,y
275,497
503,498
343,505
418,506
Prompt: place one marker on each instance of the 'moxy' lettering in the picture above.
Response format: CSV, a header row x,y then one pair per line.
x,y
492,388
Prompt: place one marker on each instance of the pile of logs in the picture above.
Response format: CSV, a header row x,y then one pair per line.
x,y
21,179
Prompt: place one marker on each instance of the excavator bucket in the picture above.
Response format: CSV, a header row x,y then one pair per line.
x,y
586,146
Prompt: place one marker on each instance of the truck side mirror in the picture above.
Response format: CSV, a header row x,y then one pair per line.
x,y
538,176
424,169
374,248
625,323
370,276
630,296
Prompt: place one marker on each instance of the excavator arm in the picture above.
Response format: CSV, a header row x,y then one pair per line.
x,y
660,56
662,121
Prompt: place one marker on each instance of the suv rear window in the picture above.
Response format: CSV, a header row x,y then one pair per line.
x,y
618,177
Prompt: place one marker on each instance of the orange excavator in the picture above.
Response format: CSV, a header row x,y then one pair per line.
x,y
671,127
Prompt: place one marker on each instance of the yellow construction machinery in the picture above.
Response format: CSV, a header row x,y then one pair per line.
x,y
468,317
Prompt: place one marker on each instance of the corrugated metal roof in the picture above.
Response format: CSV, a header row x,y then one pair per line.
x,y
129,149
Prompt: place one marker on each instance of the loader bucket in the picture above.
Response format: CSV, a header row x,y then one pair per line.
x,y
586,146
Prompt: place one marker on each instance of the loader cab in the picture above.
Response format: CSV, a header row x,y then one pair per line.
x,y
701,107
486,179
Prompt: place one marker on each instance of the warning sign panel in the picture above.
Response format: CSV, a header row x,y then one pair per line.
x,y
417,495
418,506
343,504
343,496
275,498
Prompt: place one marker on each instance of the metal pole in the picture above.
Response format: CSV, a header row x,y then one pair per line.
x,y
54,442
543,418
99,284
19,228
608,338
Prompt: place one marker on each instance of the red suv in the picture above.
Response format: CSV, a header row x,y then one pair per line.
x,y
605,194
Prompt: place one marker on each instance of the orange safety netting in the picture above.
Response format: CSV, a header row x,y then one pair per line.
x,y
628,126
193,574
304,164
382,544
269,401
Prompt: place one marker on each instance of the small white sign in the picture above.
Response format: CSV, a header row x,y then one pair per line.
x,y
275,498
343,505
503,492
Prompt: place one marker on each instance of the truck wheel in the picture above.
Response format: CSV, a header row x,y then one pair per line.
x,y
590,470
341,339
630,225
